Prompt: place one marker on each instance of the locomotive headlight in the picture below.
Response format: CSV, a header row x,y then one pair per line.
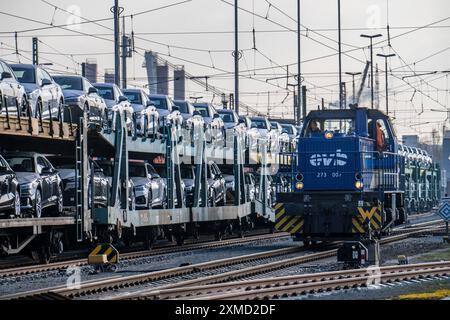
x,y
299,185
359,184
328,135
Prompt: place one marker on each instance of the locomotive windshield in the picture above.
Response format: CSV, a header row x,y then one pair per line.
x,y
343,126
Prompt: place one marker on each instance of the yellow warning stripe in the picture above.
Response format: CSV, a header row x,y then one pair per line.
x,y
357,226
108,251
378,217
278,206
280,223
290,223
96,250
279,214
297,227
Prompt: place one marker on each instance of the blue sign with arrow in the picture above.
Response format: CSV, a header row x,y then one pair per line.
x,y
444,209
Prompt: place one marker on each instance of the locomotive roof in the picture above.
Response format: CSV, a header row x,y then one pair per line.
x,y
346,113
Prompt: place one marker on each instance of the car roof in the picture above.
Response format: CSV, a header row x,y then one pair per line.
x,y
26,65
157,95
132,90
67,76
104,84
201,104
22,154
224,111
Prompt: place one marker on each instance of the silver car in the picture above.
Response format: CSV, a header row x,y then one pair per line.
x,y
43,93
12,94
149,187
144,110
80,94
115,101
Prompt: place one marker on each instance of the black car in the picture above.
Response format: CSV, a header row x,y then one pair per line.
x,y
12,94
80,94
9,191
40,183
66,168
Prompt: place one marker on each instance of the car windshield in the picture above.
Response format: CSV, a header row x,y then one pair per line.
x,y
227,170
62,163
137,170
133,97
24,74
227,117
160,103
69,83
21,164
187,173
260,123
288,130
106,93
107,169
203,110
183,106
161,170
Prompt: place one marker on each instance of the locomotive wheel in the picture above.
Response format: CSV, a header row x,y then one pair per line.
x,y
44,254
179,239
218,235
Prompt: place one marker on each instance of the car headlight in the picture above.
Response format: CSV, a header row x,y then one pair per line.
x,y
76,99
26,188
33,95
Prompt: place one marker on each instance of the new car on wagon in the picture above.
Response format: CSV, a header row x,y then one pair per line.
x,y
40,183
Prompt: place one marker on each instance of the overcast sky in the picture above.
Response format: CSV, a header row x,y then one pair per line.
x,y
184,25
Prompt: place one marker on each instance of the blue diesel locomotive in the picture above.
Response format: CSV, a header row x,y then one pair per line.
x,y
351,179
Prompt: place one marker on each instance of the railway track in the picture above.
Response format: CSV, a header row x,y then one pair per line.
x,y
292,286
199,274
61,265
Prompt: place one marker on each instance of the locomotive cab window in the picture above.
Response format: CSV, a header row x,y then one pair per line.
x,y
340,126
379,131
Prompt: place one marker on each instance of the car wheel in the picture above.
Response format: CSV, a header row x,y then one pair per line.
x,y
60,201
17,204
38,204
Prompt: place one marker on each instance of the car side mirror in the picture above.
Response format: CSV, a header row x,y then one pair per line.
x,y
46,170
122,99
241,121
150,104
6,75
175,108
216,115
45,82
98,170
92,90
